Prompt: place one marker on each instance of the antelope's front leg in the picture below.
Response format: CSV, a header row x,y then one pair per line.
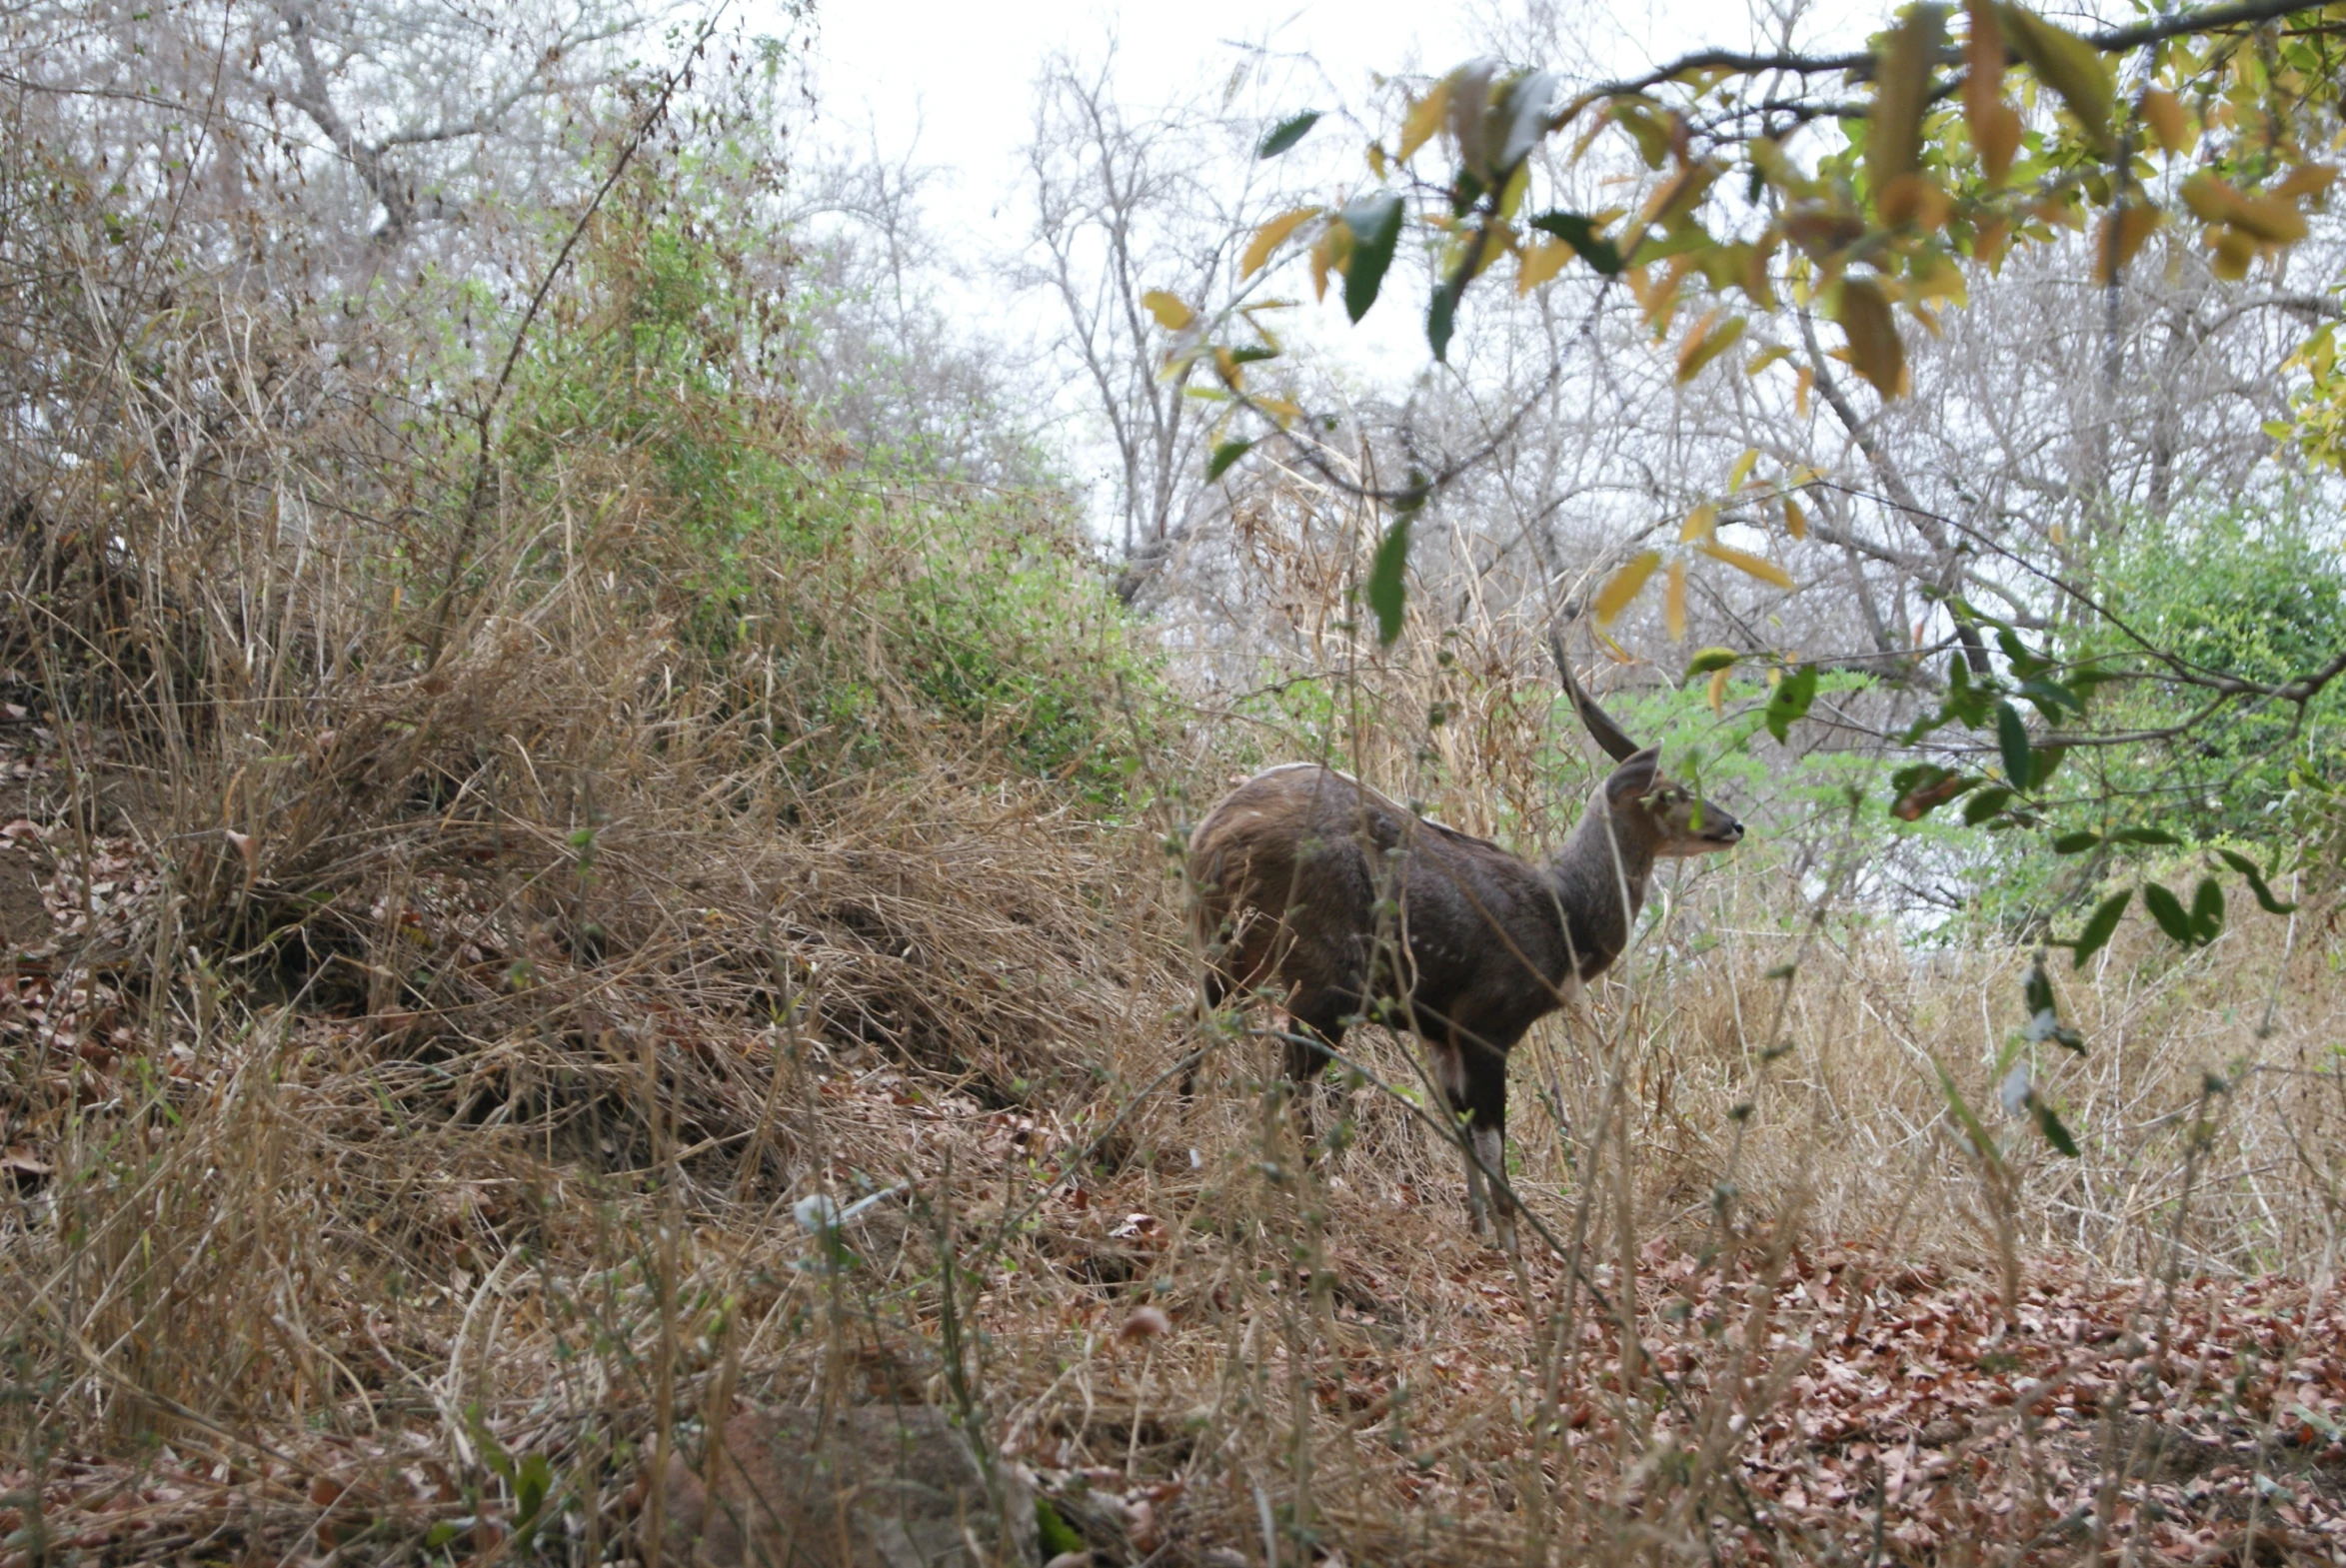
x,y
1486,1094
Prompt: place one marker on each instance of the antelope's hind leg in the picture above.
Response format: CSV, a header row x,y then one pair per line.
x,y
1449,1073
1213,995
1315,1032
1474,1078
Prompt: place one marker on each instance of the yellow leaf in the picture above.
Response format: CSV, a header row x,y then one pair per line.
x,y
1701,523
1990,237
1658,299
1800,391
1758,287
1169,309
1322,253
1706,343
1681,193
2272,220
1912,198
1864,316
1937,278
1795,520
1624,585
1719,692
1766,357
2164,111
2306,180
1497,240
1282,410
2068,65
2122,235
1425,117
1227,364
1270,237
1902,90
1744,561
1673,603
1994,124
1821,229
1742,468
2234,251
1540,263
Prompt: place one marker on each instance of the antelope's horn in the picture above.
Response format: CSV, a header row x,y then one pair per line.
x,y
1607,735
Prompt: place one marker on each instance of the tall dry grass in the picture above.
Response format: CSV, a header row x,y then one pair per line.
x,y
459,967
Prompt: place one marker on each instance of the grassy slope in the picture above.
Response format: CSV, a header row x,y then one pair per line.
x,y
469,936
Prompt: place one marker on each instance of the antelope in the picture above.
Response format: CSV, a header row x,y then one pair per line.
x,y
1289,870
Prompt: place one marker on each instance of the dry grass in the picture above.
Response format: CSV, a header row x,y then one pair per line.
x,y
453,986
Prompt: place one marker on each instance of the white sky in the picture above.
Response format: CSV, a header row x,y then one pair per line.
x,y
950,83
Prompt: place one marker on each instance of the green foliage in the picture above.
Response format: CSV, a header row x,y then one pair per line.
x,y
861,620
2257,596
1288,133
2253,596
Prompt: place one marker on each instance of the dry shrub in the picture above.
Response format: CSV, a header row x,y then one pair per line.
x,y
508,928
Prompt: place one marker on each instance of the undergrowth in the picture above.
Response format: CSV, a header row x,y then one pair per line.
x,y
467,901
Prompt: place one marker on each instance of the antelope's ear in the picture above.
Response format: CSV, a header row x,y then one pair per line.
x,y
1634,777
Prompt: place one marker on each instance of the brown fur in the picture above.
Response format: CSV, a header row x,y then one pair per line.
x,y
1477,944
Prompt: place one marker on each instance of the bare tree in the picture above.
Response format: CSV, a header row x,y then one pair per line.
x,y
1126,204
882,358
397,116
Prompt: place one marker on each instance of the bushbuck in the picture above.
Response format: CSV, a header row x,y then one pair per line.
x,y
1292,868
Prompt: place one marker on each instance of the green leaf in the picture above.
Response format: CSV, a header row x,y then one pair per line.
x,y
1581,234
1375,222
2076,842
2099,928
1710,658
1986,804
1288,133
2026,664
2050,697
2050,1125
2207,910
1224,456
2145,836
1386,592
1975,1134
2012,737
1789,701
2256,883
534,1481
2168,909
1056,1536
1442,314
2036,988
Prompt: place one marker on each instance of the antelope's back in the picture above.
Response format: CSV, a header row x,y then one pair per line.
x,y
1290,838
1249,843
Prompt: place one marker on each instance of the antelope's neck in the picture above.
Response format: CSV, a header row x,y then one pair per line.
x,y
1599,875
